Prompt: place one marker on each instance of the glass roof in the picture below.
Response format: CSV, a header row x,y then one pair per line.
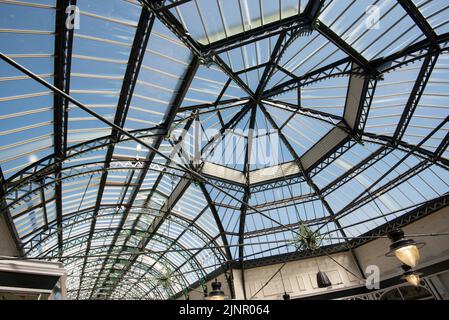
x,y
218,128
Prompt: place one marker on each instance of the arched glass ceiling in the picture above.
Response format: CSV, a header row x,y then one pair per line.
x,y
256,117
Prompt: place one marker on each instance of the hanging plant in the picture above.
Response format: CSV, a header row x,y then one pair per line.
x,y
165,278
306,239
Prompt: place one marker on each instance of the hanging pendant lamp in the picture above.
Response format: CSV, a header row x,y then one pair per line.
x,y
216,293
411,276
323,280
406,250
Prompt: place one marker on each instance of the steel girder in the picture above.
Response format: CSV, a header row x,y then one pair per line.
x,y
200,275
357,169
39,169
23,181
278,204
80,239
140,266
169,204
419,19
412,53
102,234
416,94
417,150
341,68
204,276
309,180
167,18
135,60
422,153
374,194
190,259
424,49
73,172
207,54
331,156
442,147
7,215
71,220
130,292
304,21
298,162
100,251
345,68
275,183
307,112
368,92
218,103
222,231
410,217
356,57
246,194
163,212
208,245
62,69
173,110
421,166
161,217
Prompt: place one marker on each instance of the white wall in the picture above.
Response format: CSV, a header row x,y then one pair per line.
x,y
300,278
435,250
7,245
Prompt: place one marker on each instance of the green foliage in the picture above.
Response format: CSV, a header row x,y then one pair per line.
x,y
307,239
165,279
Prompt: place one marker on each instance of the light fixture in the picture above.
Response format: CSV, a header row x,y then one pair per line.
x,y
322,280
33,158
406,250
286,296
138,150
412,277
216,293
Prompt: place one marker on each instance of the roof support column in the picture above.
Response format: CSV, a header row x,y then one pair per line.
x,y
132,72
62,68
416,94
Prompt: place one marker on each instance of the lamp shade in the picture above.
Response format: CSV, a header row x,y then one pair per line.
x,y
322,280
412,277
286,296
216,293
406,250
